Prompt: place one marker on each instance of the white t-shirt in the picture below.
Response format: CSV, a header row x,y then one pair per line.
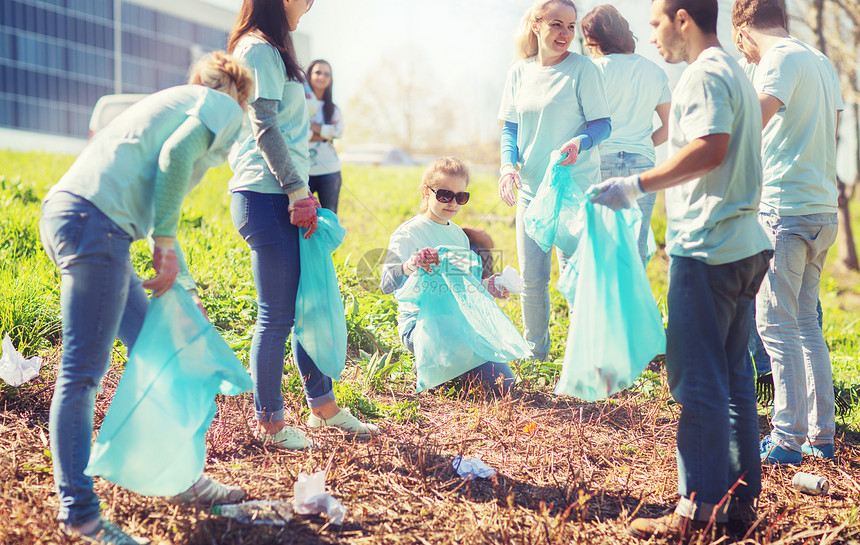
x,y
323,157
634,87
550,105
413,235
117,170
714,218
799,142
250,171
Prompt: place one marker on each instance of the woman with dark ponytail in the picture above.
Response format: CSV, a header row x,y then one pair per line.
x,y
270,202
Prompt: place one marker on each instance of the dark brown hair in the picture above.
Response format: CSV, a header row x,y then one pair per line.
x,y
268,19
608,30
761,14
703,12
328,104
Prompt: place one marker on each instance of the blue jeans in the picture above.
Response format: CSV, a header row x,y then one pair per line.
x,y
487,373
327,188
535,268
628,164
100,297
760,359
709,375
787,320
264,222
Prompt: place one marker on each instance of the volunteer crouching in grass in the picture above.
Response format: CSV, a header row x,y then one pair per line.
x,y
719,254
127,184
413,246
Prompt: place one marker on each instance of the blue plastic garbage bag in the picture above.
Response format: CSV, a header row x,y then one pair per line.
x,y
554,216
152,440
320,324
615,326
459,325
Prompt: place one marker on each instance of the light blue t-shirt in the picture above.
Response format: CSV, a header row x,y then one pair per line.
x,y
634,87
714,218
250,171
413,235
799,142
117,170
550,105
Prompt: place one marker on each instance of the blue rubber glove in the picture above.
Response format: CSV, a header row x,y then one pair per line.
x,y
617,193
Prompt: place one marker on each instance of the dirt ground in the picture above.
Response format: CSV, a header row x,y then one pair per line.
x,y
568,472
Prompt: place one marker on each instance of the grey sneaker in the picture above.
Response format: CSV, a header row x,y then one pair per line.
x,y
345,421
105,533
289,438
208,492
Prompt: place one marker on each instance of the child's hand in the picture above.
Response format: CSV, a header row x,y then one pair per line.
x,y
507,182
422,259
496,291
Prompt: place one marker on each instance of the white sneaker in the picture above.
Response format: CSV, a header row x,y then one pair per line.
x,y
103,532
208,492
345,421
289,438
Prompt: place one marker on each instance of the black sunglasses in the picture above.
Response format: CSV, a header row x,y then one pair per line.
x,y
446,196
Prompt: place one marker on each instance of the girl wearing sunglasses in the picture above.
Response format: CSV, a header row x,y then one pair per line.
x,y
412,247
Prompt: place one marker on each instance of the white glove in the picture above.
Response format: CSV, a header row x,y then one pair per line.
x,y
617,193
497,291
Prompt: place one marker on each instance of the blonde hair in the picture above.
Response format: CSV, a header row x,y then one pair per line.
x,y
438,170
525,41
222,72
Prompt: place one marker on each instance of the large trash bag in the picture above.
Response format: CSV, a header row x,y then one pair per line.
x,y
615,326
320,324
152,440
459,325
554,216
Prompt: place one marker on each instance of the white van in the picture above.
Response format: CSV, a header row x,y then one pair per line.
x,y
108,107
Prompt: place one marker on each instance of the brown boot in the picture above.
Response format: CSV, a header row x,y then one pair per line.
x,y
671,525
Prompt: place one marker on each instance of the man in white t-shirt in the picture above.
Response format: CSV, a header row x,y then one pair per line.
x,y
719,256
798,90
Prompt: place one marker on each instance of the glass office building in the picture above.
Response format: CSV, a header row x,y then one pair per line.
x,y
57,57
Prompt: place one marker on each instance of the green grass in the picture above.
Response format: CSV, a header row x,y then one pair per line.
x,y
374,201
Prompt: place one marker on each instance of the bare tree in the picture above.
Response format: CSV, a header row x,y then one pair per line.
x,y
400,104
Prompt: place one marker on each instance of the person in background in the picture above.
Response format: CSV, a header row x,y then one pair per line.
x,y
798,90
326,125
553,100
635,89
720,253
413,246
270,202
127,184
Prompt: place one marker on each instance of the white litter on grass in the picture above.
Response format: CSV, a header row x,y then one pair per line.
x,y
15,369
310,498
510,280
470,468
